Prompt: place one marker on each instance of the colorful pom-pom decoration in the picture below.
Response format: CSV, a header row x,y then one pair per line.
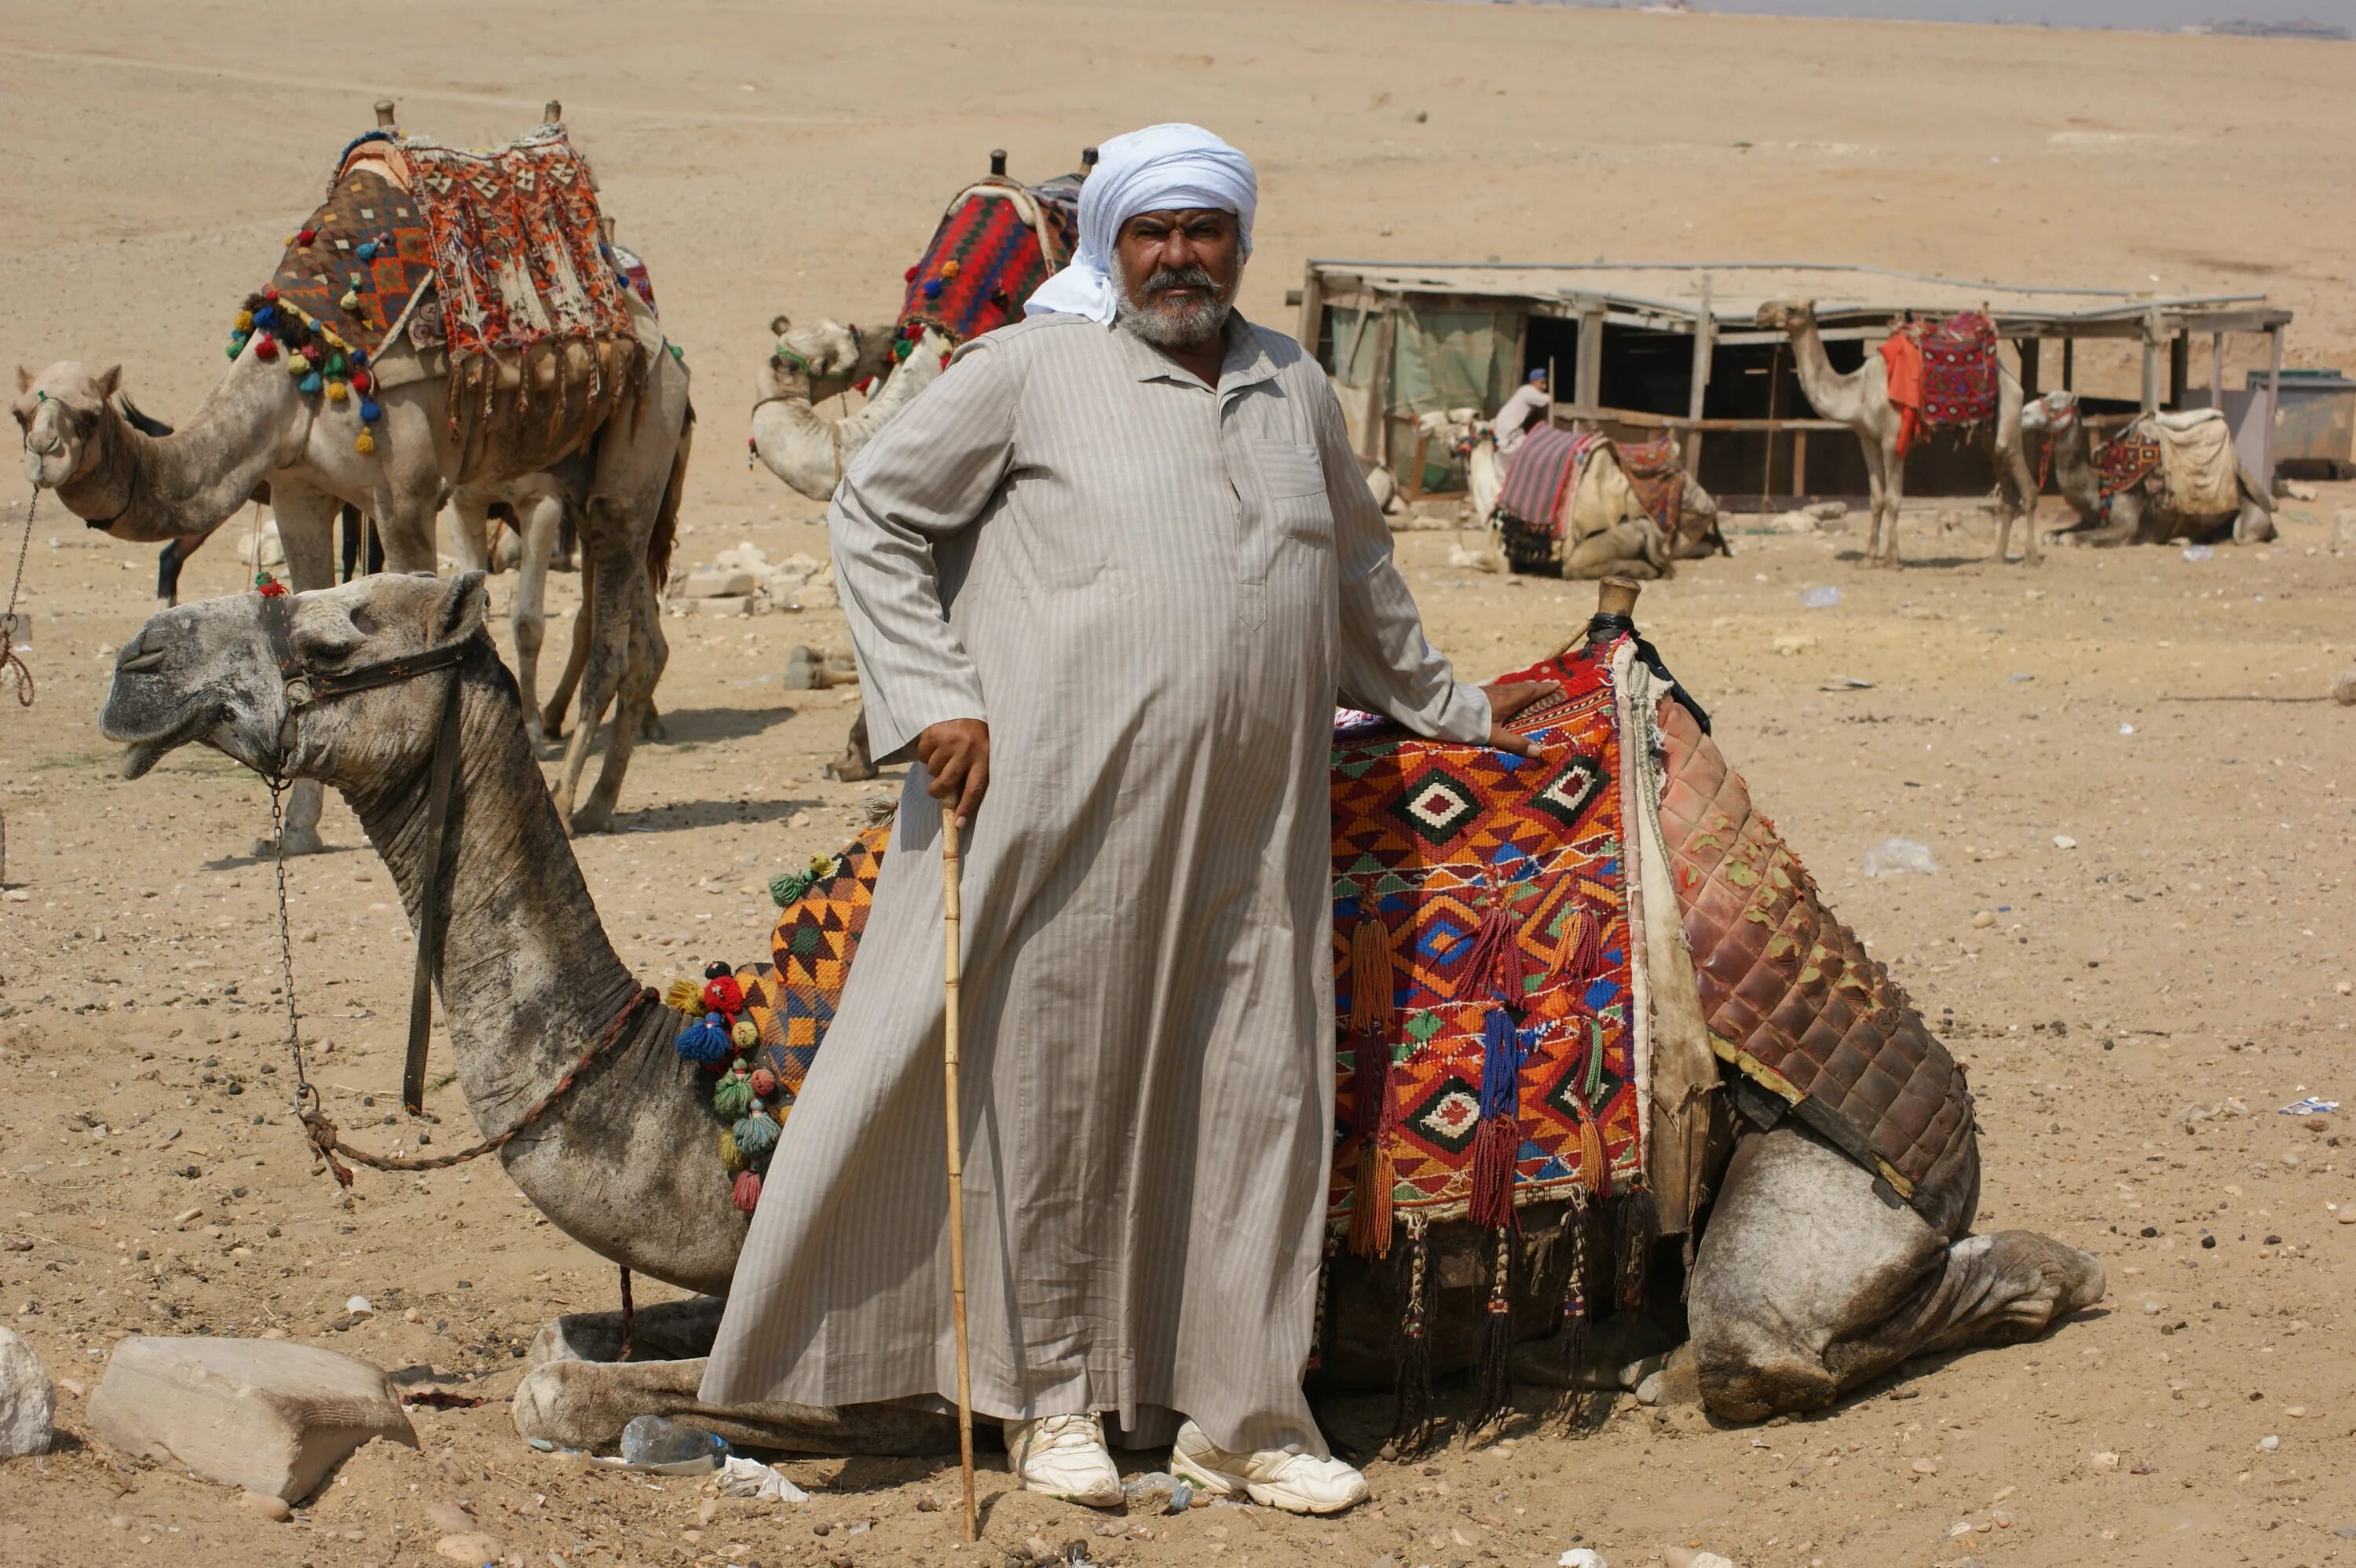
x,y
684,997
363,381
731,1156
370,412
365,445
244,320
765,1083
746,1193
756,1135
304,236
266,316
932,288
721,993
351,300
268,586
949,268
270,292
311,382
312,352
706,1042
366,248
909,276
746,1035
731,1096
337,392
265,348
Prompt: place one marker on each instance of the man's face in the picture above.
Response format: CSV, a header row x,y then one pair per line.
x,y
1179,271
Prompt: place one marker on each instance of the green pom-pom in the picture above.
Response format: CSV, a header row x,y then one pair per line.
x,y
788,887
733,1096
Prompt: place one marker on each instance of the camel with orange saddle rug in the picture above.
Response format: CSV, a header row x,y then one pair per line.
x,y
1601,1047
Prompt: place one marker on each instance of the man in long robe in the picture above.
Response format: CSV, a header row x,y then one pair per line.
x,y
1114,568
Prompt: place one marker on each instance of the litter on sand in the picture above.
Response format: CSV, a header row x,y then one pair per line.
x,y
2310,1107
1846,683
742,1477
2200,552
1823,598
1898,858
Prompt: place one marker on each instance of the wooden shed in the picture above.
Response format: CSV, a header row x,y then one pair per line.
x,y
1639,347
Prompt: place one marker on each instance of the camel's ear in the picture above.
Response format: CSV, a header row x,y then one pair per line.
x,y
23,380
109,379
779,325
464,603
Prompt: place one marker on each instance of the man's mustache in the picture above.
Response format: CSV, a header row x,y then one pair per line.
x,y
1167,278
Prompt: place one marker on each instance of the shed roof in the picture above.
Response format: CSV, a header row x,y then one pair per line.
x,y
1668,296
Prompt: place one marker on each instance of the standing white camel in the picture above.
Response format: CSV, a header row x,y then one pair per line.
x,y
1860,400
809,364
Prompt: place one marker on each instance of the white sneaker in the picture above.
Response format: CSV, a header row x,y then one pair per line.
x,y
1283,1478
1064,1456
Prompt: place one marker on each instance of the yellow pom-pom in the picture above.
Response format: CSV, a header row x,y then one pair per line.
x,y
244,321
729,1155
365,445
684,997
297,367
747,1034
335,392
949,268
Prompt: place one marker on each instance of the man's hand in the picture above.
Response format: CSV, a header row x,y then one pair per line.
x,y
956,751
1505,701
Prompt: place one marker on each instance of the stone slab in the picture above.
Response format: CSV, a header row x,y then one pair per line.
x,y
264,1414
28,1402
716,585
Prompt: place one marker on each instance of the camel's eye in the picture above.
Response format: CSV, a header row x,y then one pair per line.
x,y
363,623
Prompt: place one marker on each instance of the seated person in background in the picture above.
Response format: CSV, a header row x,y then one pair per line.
x,y
1525,407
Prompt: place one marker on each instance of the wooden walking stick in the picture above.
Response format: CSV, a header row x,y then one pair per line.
x,y
950,964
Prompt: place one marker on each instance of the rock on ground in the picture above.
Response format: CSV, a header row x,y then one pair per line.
x,y
269,1416
27,1402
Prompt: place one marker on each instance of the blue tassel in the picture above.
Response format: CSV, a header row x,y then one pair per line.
x,y
311,383
706,1042
757,1133
266,316
1501,1064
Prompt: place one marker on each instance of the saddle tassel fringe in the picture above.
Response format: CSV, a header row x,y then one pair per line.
x,y
1578,953
1497,1144
1374,975
1370,1212
1572,1330
1493,1350
1639,1227
1411,1431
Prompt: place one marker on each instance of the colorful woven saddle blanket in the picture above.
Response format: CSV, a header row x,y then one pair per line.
x,y
1484,1059
996,244
1659,481
1959,370
356,268
1540,473
2125,460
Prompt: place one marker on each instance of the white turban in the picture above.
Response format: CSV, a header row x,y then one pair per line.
x,y
1162,169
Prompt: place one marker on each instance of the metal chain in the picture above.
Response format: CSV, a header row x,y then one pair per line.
x,y
21,672
307,1096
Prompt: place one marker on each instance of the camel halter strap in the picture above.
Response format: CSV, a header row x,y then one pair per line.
x,y
305,690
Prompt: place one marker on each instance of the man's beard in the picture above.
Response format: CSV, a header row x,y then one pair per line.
x,y
1168,322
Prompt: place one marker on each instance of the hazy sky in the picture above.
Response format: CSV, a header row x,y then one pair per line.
x,y
2065,12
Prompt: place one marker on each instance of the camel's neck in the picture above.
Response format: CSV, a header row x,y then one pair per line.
x,y
1833,395
145,488
623,1161
808,451
2073,464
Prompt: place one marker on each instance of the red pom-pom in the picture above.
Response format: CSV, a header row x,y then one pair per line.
x,y
746,1194
724,996
311,352
265,346
304,236
363,383
910,275
765,1083
271,293
272,589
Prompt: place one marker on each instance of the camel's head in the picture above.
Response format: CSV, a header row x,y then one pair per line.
x,y
816,361
2053,411
60,411
208,672
1783,315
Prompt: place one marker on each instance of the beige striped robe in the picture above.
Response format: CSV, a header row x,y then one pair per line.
x,y
1153,591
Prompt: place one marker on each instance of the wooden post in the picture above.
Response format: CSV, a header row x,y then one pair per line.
x,y
2032,351
1799,463
384,113
1311,327
550,112
998,161
1704,330
2069,364
2150,389
2274,398
1554,391
2217,371
1774,390
2179,369
1586,387
1376,432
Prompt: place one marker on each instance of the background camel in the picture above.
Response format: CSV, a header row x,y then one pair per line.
x,y
1860,400
257,427
1806,1281
2145,512
1697,535
808,365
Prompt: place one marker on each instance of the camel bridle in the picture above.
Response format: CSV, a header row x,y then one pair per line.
x,y
303,689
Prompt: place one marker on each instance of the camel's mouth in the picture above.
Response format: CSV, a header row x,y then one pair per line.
x,y
148,709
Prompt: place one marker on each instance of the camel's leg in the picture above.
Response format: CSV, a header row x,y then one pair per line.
x,y
537,523
1622,550
470,529
609,629
1873,482
857,762
648,653
306,531
1893,500
2016,486
168,563
1808,1283
576,657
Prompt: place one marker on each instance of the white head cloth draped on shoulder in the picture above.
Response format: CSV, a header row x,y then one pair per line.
x,y
1162,168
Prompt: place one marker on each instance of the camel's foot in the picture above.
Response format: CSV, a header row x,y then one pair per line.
x,y
534,731
296,841
576,1396
849,768
651,727
595,816
552,722
1624,1351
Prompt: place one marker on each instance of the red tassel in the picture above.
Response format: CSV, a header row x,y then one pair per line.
x,y
1374,975
746,1195
1494,1147
1371,1215
1496,957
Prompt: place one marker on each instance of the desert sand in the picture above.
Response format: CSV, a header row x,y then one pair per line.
x,y
2125,759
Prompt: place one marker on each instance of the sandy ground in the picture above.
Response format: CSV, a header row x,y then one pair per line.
x,y
2142,1002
